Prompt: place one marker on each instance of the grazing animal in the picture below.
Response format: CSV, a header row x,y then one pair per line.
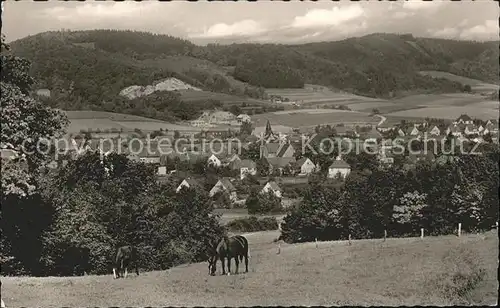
x,y
233,247
125,255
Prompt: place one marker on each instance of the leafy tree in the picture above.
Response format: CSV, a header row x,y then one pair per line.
x,y
246,128
24,122
409,211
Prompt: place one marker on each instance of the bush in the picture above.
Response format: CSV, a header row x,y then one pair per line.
x,y
257,203
253,224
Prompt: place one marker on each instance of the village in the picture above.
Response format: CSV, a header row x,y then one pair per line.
x,y
275,162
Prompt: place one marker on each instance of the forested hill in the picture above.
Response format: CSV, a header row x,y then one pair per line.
x,y
87,69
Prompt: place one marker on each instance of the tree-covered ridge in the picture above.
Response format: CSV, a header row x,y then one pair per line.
x,y
83,69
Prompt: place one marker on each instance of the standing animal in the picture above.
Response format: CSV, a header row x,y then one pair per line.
x,y
125,255
233,247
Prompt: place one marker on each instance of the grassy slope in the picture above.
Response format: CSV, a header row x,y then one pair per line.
x,y
370,272
84,120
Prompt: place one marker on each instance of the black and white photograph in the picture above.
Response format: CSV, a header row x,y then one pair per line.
x,y
249,153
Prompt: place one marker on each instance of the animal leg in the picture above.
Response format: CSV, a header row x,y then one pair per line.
x,y
137,269
125,272
114,273
223,266
237,261
228,266
246,264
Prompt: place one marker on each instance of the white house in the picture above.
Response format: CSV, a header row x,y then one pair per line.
x,y
272,187
242,118
305,166
247,167
162,170
225,186
412,131
214,161
434,131
339,167
463,119
188,183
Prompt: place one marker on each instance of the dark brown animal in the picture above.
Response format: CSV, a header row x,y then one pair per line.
x,y
124,256
228,248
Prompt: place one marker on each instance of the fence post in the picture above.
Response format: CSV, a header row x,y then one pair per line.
x,y
459,228
421,232
279,249
316,241
349,239
385,235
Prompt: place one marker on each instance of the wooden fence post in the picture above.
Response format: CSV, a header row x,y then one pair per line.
x,y
385,235
421,232
459,228
349,239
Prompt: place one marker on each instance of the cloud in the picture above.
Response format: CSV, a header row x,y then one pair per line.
x,y
401,15
98,11
247,27
421,5
486,31
324,18
445,33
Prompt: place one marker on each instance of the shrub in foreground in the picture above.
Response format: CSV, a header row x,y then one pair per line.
x,y
253,224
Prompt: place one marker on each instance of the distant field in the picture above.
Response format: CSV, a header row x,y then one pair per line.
x,y
431,105
476,85
399,272
315,94
312,117
448,112
84,120
187,95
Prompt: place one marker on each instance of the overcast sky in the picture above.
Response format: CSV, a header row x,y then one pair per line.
x,y
265,21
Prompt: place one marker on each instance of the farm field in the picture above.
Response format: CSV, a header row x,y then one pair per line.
x,y
448,113
84,120
411,271
312,117
448,106
476,85
314,95
226,99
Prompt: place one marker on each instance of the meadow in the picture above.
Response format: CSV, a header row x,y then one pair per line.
x,y
444,270
225,99
85,120
476,85
311,117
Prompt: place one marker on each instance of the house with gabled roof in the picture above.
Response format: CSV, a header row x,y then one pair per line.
x,y
246,167
372,135
213,160
463,119
470,129
304,166
272,187
224,186
339,167
277,149
279,163
187,183
412,131
433,131
454,130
